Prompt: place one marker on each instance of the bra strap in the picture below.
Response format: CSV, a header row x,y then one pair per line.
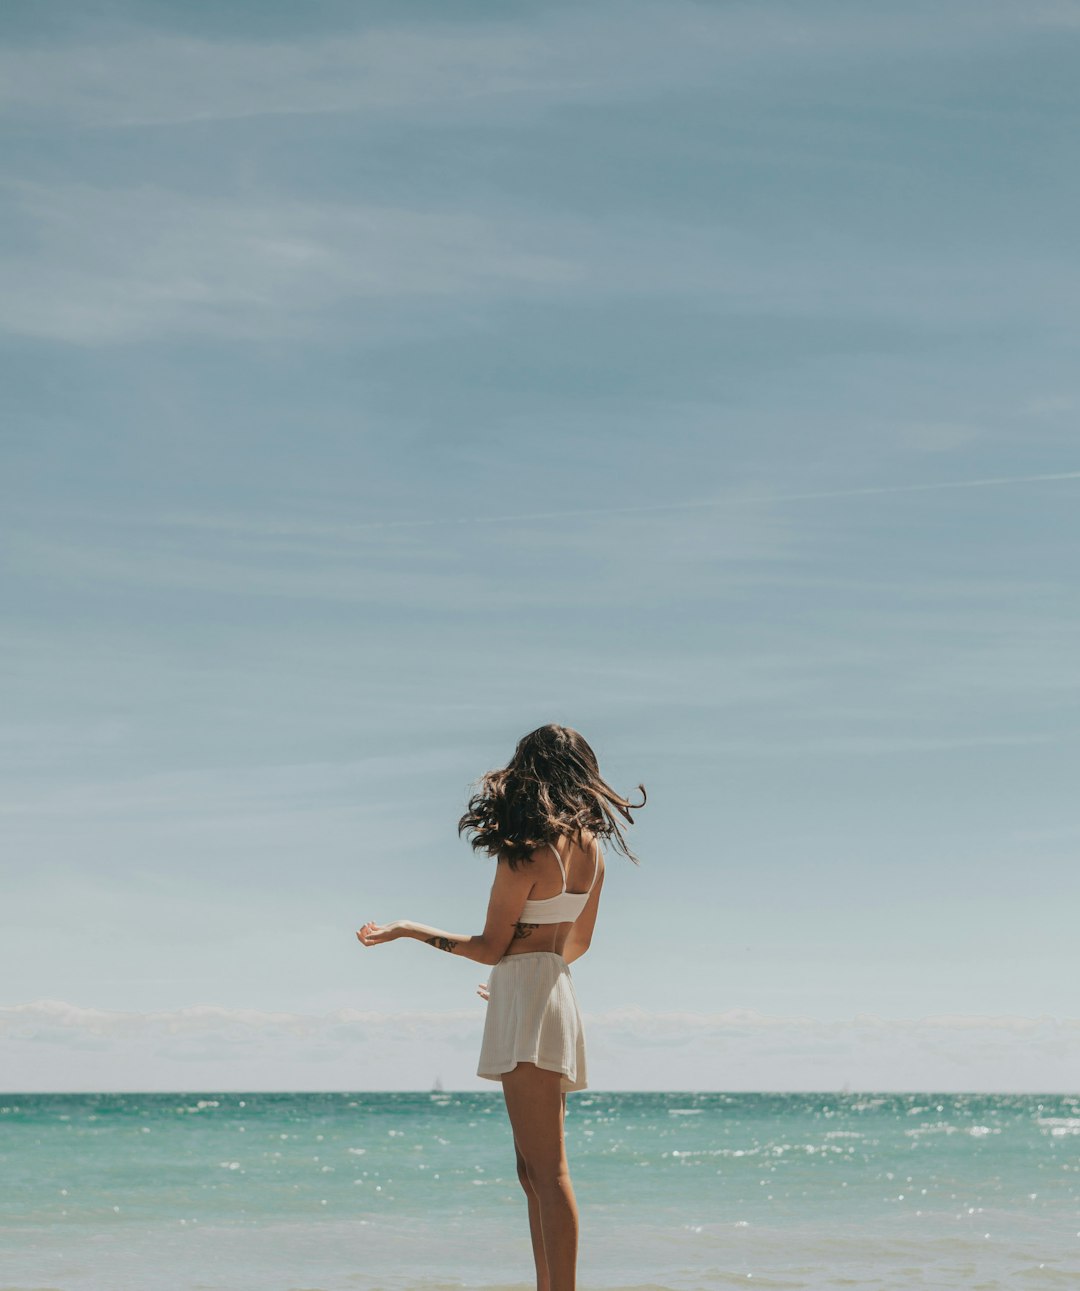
x,y
561,868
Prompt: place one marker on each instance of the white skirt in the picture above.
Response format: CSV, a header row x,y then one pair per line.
x,y
533,1016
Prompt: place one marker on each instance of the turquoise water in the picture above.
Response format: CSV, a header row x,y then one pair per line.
x,y
353,1192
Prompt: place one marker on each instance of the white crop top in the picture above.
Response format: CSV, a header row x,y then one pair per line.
x,y
566,906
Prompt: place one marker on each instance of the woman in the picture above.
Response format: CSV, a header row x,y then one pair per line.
x,y
542,818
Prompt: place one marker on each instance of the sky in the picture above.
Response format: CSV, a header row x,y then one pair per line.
x,y
380,382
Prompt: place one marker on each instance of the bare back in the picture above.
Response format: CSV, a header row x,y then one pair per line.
x,y
584,869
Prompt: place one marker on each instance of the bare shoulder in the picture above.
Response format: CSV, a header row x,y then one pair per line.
x,y
596,846
592,849
514,874
592,844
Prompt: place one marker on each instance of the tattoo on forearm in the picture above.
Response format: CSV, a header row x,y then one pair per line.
x,y
524,929
442,943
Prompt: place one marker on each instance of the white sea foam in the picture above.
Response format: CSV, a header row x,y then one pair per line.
x,y
1059,1126
752,1184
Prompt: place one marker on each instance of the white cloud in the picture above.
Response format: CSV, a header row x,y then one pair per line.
x,y
231,1024
52,1044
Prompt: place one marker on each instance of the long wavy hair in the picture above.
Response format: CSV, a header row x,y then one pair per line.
x,y
551,787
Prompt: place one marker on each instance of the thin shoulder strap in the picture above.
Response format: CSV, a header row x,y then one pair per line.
x,y
596,863
562,869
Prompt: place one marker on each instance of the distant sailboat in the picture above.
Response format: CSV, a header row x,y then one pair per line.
x,y
437,1088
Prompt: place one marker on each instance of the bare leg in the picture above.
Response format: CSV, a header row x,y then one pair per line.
x,y
535,1230
536,1106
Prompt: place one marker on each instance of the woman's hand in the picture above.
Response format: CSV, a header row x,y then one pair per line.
x,y
482,991
371,934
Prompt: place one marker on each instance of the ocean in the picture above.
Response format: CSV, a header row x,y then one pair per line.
x,y
417,1191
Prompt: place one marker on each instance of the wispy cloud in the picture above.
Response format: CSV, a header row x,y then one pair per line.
x,y
101,264
281,533
704,504
437,562
43,1016
103,261
123,263
144,77
207,794
698,374
37,1016
630,1048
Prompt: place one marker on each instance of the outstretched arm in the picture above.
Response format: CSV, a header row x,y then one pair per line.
x,y
509,892
468,946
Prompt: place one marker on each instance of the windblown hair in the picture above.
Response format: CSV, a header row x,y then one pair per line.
x,y
550,788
